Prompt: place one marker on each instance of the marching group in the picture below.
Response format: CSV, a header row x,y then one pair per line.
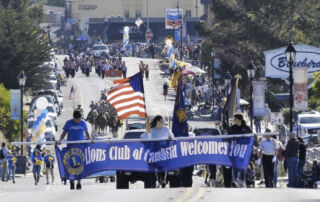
x,y
8,164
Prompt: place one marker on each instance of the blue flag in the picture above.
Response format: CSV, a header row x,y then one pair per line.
x,y
177,35
179,120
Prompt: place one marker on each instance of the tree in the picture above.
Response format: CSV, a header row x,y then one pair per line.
x,y
242,29
314,101
23,46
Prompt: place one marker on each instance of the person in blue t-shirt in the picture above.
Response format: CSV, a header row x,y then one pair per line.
x,y
49,160
37,161
3,160
75,128
11,166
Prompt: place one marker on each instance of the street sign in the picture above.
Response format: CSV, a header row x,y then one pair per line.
x,y
149,35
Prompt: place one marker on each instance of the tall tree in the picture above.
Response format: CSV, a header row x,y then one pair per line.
x,y
23,46
242,29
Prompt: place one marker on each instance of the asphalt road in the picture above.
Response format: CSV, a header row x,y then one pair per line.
x,y
88,89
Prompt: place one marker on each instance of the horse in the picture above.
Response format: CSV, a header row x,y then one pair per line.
x,y
102,121
92,118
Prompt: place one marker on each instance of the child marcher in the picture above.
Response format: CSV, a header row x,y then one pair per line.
x,y
37,161
11,166
49,161
250,175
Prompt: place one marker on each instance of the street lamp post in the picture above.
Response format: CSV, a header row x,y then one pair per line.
x,y
22,81
181,50
251,70
180,27
212,54
148,15
291,56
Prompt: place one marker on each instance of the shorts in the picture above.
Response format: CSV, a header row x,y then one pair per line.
x,y
49,166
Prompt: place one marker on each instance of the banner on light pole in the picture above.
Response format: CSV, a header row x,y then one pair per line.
x,y
173,18
15,105
258,98
300,88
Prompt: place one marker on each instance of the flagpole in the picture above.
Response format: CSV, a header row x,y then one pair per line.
x,y
145,104
147,140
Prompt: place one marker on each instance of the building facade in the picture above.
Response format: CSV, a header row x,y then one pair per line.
x,y
131,8
106,18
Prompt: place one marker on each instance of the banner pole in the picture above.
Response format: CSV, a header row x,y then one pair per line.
x,y
146,140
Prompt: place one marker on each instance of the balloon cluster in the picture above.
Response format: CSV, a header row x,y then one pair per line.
x,y
39,125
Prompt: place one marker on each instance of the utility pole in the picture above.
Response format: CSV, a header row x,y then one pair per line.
x,y
148,15
181,48
197,8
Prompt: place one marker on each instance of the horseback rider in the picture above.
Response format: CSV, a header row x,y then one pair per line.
x,y
80,110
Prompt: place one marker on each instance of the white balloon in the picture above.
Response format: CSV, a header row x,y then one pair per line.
x,y
126,28
41,103
169,43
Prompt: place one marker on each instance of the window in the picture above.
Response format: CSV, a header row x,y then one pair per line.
x,y
126,14
188,13
138,13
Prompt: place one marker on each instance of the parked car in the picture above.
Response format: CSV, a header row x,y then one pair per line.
x,y
49,136
206,131
53,115
58,98
99,50
308,124
50,131
135,126
50,100
52,79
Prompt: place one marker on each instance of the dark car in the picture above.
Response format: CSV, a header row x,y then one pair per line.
x,y
206,131
124,177
49,136
135,126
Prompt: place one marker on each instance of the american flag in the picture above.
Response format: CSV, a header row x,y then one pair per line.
x,y
127,96
72,92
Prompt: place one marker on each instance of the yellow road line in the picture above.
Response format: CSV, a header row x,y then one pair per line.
x,y
185,195
198,195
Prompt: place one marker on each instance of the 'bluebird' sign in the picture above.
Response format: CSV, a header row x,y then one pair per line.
x,y
276,65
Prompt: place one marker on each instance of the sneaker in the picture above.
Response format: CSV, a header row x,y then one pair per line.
x,y
47,182
261,182
234,184
243,185
78,186
72,185
14,182
35,183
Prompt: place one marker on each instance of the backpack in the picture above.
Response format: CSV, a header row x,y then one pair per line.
x,y
1,154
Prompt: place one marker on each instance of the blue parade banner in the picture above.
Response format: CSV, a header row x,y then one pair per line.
x,y
79,161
